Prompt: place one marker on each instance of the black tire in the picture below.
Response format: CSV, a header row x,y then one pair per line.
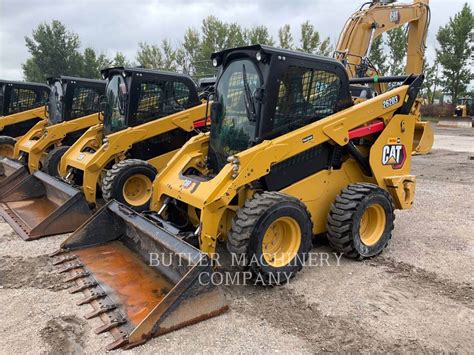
x,y
245,238
7,143
116,177
53,159
345,215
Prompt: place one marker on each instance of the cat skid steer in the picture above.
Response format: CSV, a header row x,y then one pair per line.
x,y
22,105
148,115
72,108
289,156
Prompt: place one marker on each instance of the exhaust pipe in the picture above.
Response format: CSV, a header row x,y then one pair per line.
x,y
40,205
139,279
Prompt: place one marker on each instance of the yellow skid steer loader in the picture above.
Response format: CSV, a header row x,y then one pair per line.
x,y
22,105
72,107
289,156
148,115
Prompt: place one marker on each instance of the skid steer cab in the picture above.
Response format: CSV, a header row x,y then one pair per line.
x,y
73,107
147,116
289,156
22,105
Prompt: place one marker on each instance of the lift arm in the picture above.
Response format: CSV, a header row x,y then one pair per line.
x,y
370,22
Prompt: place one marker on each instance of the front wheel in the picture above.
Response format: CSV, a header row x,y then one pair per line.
x,y
7,146
360,221
272,234
53,160
130,182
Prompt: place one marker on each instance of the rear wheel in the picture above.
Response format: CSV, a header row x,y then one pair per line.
x,y
273,234
7,146
130,182
53,159
360,221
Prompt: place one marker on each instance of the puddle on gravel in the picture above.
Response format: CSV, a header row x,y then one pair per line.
x,y
64,335
36,272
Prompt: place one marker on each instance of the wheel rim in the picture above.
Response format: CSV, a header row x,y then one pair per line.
x,y
281,241
7,150
137,190
372,224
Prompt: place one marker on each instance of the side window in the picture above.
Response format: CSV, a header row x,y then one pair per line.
x,y
159,99
85,101
22,100
181,94
150,102
305,95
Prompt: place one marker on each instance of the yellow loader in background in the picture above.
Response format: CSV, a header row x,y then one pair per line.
x,y
289,156
148,116
22,105
462,117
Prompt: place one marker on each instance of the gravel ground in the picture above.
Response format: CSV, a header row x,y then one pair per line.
x,y
416,296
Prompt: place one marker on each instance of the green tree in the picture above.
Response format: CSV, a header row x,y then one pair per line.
x,y
54,51
90,65
149,56
397,46
190,51
120,60
259,35
455,52
310,41
377,55
285,37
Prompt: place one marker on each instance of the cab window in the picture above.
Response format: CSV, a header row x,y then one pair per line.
x,y
305,95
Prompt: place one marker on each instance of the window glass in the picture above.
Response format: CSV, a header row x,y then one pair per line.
x,y
159,99
232,130
55,105
305,95
115,104
181,93
22,100
85,101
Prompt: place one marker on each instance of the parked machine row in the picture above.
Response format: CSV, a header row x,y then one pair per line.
x,y
278,149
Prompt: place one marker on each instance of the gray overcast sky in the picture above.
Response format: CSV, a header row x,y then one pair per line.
x,y
118,25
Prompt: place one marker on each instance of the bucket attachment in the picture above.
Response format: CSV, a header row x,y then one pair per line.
x,y
11,174
41,205
456,122
140,279
423,139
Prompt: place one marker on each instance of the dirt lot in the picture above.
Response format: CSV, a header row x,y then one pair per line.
x,y
416,296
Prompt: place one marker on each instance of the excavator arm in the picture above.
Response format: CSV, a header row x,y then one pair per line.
x,y
365,25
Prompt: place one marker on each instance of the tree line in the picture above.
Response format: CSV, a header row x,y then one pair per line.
x,y
57,51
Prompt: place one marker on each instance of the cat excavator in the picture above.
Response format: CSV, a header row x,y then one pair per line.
x,y
289,156
371,21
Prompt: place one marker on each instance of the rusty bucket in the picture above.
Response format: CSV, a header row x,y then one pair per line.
x,y
12,173
40,205
140,279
